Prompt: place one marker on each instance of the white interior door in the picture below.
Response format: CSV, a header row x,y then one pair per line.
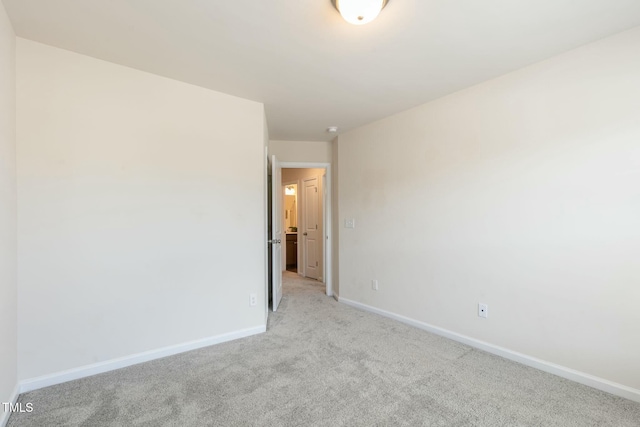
x,y
311,234
276,231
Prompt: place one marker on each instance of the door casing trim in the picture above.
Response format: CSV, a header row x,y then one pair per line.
x,y
327,208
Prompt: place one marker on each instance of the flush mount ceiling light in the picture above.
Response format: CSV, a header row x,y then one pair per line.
x,y
359,12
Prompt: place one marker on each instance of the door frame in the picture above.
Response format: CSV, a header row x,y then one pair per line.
x,y
327,207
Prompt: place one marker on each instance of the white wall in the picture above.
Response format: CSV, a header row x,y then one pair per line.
x,y
140,202
265,208
335,219
301,151
523,193
8,242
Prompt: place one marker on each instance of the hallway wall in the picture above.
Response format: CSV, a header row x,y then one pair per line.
x,y
301,151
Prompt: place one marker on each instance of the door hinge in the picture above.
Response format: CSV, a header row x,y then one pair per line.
x,y
316,263
316,226
316,189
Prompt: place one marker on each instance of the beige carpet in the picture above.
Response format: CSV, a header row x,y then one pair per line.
x,y
323,363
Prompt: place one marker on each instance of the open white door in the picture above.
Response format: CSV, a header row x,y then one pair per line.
x,y
276,231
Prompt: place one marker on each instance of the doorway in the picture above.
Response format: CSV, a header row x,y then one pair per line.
x,y
303,226
312,228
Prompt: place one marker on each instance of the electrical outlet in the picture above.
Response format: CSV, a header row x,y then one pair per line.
x,y
374,285
350,223
253,300
483,310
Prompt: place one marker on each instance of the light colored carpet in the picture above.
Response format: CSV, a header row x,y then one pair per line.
x,y
323,363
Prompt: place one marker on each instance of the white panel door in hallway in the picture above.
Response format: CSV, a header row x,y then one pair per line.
x,y
311,234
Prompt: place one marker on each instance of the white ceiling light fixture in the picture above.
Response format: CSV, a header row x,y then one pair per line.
x,y
359,12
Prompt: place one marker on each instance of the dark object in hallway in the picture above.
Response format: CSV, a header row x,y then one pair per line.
x,y
292,252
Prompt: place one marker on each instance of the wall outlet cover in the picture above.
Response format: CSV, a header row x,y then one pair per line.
x,y
483,310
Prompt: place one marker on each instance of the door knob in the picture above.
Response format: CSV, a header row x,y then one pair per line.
x,y
304,234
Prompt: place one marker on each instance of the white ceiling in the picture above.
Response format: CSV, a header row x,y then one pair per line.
x,y
309,67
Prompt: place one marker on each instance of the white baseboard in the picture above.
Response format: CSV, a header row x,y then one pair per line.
x,y
134,359
4,415
543,365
